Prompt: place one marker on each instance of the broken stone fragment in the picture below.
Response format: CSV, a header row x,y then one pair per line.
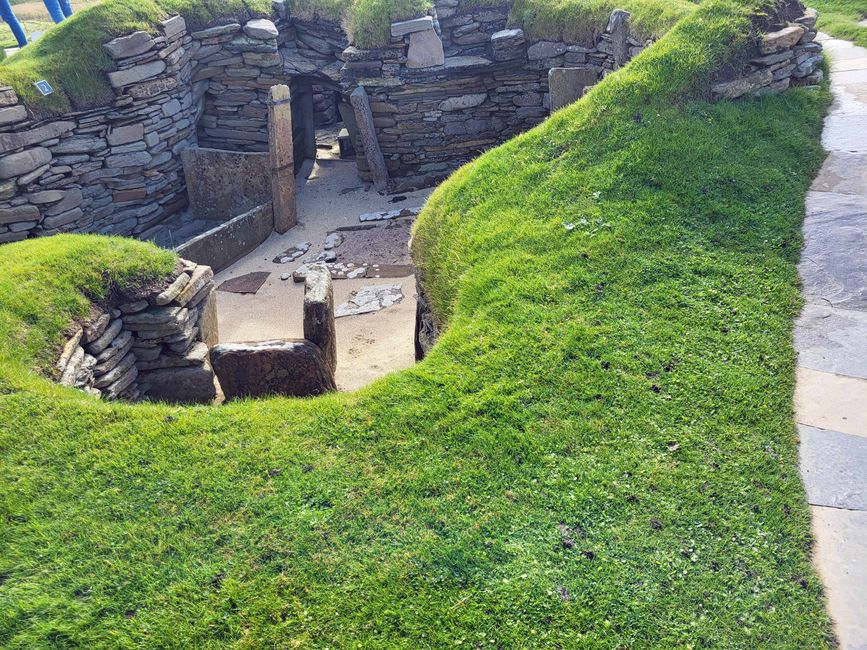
x,y
333,240
107,337
277,367
369,299
96,327
126,46
171,292
261,29
69,349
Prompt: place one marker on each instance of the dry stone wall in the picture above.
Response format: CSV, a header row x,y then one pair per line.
x,y
148,344
447,86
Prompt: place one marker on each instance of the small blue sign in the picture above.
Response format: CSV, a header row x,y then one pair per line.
x,y
44,87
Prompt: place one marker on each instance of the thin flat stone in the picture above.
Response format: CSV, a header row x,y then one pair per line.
x,y
369,299
828,401
248,283
840,555
832,340
832,467
833,263
844,173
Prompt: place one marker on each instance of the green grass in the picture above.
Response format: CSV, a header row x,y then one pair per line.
x,y
840,18
599,452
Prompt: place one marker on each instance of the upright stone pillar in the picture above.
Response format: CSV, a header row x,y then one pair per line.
x,y
282,158
319,313
367,134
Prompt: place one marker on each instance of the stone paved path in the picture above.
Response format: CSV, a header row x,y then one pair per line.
x,y
831,339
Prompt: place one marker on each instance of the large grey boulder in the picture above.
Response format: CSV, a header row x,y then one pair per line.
x,y
277,367
193,384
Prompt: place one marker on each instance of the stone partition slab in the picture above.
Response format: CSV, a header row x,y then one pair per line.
x,y
224,184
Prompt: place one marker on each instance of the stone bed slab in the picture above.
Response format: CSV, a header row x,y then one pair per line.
x,y
833,468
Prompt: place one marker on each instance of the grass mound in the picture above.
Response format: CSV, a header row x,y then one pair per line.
x,y
599,452
840,18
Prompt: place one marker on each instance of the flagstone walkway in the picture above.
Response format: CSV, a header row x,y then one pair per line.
x,y
831,340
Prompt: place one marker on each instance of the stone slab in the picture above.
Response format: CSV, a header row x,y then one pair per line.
x,y
247,283
844,173
828,401
369,299
425,50
840,555
845,133
832,340
277,367
833,263
567,85
833,468
224,184
404,27
183,385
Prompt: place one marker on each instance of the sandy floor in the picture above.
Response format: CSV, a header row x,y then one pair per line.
x,y
368,345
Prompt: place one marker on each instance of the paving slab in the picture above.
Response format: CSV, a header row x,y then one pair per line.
x,y
845,132
828,401
833,265
844,173
832,340
850,99
840,555
833,468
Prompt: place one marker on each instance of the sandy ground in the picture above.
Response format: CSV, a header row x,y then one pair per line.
x,y
368,345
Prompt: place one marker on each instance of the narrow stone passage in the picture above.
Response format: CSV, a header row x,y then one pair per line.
x,y
831,340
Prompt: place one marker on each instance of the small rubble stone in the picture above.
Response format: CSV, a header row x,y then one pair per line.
x,y
261,28
369,299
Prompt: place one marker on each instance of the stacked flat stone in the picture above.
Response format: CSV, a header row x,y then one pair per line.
x,y
155,346
785,57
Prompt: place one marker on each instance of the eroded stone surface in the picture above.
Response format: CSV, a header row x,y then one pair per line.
x,y
832,340
828,401
834,260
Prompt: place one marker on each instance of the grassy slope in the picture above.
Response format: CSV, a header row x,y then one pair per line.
x,y
840,18
598,453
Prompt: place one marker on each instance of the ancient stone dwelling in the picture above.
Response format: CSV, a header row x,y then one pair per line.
x,y
447,86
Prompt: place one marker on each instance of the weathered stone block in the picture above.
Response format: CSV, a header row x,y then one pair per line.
x,y
261,29
193,384
12,114
782,39
545,50
125,134
137,73
24,212
462,102
277,367
404,27
17,164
